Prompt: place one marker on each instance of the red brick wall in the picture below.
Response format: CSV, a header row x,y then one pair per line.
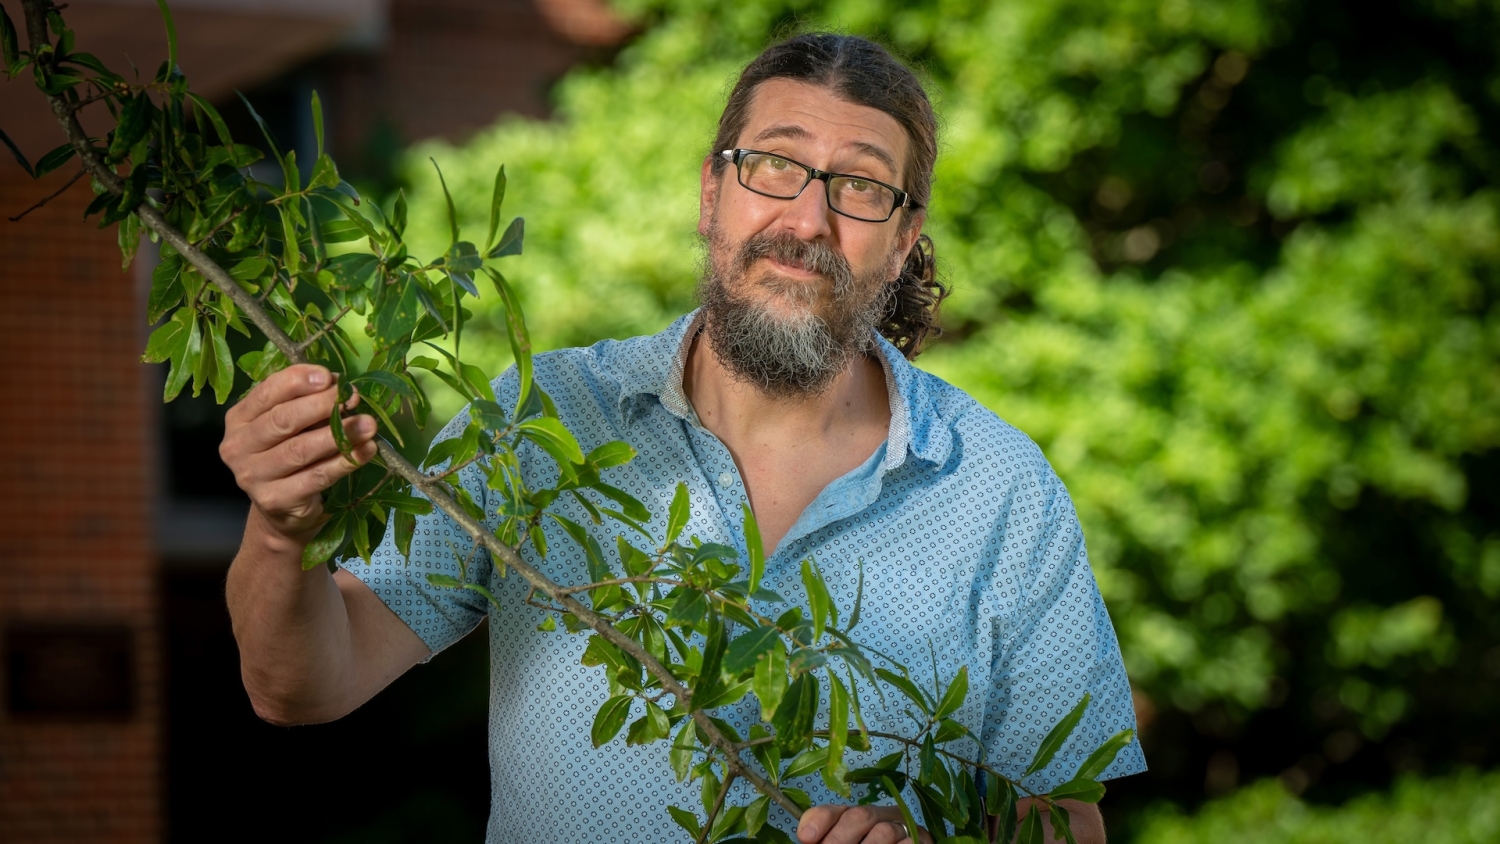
x,y
75,512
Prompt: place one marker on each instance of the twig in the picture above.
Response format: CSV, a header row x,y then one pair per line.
x,y
36,29
55,194
322,332
714,812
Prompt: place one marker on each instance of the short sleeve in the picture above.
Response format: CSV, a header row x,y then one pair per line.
x,y
1056,644
439,615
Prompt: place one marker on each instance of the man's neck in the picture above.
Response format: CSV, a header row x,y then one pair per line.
x,y
738,412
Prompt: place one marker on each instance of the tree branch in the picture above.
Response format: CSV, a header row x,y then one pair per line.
x,y
51,196
36,30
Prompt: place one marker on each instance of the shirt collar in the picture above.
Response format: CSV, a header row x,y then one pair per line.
x,y
653,366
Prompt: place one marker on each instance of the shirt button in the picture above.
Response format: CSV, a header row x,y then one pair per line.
x,y
726,480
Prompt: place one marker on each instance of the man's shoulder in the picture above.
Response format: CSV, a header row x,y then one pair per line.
x,y
978,438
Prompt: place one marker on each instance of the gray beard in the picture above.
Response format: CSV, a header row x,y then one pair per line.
x,y
787,357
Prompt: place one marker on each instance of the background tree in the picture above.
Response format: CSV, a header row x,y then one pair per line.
x,y
1232,264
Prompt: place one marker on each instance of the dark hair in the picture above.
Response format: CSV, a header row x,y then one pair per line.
x,y
863,73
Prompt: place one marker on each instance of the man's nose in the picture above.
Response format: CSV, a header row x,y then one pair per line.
x,y
808,216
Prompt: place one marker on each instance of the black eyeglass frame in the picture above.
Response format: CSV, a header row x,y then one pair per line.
x,y
902,198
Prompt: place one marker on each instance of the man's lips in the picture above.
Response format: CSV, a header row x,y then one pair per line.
x,y
791,269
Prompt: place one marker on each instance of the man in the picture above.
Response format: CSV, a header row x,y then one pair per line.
x,y
781,391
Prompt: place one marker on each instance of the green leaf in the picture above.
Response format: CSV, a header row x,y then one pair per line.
x,y
859,596
756,548
317,120
345,231
394,322
688,608
264,129
817,597
836,773
1102,758
325,174
166,292
548,624
913,831
1057,737
510,242
611,454
610,718
755,814
685,819
340,436
452,212
677,515
682,750
794,717
291,256
496,199
554,437
1031,828
10,49
135,121
806,762
953,698
907,687
185,356
520,342
206,109
166,19
1001,802
16,151
770,682
223,375
1089,791
631,505
55,159
328,540
748,647
948,730
406,528
398,213
1062,828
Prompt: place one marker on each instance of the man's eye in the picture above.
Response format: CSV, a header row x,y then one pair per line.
x,y
778,163
858,185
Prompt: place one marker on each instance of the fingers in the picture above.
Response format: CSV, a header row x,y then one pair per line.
x,y
310,447
853,825
293,382
293,503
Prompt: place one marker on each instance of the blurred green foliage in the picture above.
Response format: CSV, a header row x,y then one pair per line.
x,y
1461,809
1232,263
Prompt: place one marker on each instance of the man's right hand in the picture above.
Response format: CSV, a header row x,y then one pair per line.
x,y
279,446
313,645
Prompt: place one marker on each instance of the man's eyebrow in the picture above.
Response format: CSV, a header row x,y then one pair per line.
x,y
797,133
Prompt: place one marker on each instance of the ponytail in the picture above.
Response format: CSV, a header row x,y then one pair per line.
x,y
912,316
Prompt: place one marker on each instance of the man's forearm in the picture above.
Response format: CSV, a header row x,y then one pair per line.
x,y
292,627
1084,819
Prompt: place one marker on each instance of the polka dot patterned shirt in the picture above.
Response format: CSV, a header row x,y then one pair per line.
x,y
972,557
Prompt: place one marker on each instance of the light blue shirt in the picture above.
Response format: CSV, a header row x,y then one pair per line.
x,y
972,556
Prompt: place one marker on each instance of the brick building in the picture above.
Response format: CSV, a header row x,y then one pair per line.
x,y
121,717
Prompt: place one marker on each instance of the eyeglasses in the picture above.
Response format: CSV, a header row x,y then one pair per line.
x,y
779,177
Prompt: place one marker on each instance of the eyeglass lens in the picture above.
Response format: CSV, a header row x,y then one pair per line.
x,y
783,179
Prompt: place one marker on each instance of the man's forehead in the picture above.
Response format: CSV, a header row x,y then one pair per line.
x,y
786,109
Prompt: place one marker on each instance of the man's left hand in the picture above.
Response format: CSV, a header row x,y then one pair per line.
x,y
831,824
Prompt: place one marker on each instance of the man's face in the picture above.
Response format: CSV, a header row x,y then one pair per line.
x,y
793,289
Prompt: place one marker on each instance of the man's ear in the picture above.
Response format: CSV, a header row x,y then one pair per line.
x,y
906,240
708,193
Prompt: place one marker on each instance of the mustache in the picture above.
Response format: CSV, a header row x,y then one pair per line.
x,y
786,248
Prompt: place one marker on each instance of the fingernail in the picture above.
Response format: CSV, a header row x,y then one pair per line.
x,y
318,377
364,425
